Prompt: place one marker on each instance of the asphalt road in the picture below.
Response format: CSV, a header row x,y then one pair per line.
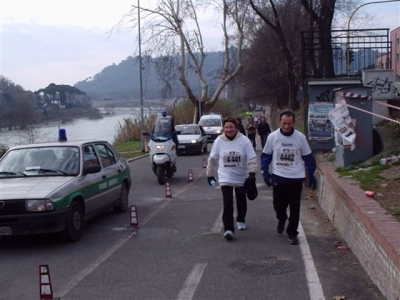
x,y
178,251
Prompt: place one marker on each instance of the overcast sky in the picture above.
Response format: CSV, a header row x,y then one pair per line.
x,y
66,41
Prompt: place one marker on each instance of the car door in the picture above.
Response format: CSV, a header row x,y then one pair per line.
x,y
110,172
204,138
95,185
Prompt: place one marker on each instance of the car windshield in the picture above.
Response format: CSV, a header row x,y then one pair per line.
x,y
210,122
186,130
44,161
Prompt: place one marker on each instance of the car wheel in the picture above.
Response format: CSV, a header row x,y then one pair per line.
x,y
123,201
75,223
160,174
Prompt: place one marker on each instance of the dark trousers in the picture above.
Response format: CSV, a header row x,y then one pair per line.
x,y
241,204
252,137
285,196
263,140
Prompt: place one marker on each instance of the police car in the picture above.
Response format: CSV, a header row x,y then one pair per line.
x,y
58,186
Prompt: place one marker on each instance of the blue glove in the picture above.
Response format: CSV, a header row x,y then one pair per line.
x,y
312,182
267,178
211,180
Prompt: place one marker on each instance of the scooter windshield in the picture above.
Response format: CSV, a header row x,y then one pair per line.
x,y
163,129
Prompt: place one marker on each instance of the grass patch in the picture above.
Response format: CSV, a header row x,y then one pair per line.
x,y
366,175
129,149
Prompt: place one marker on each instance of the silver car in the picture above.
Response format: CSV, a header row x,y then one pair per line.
x,y
58,186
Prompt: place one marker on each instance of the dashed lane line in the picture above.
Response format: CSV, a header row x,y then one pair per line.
x,y
192,281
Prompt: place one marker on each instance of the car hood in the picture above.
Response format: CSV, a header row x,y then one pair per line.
x,y
31,187
188,137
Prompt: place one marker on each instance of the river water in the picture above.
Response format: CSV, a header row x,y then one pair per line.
x,y
79,129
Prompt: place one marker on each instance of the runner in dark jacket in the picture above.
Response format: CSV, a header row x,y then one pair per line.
x,y
263,130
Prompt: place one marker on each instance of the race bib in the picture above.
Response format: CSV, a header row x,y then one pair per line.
x,y
232,159
285,158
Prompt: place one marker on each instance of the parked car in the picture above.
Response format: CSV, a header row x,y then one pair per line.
x,y
58,186
192,138
212,124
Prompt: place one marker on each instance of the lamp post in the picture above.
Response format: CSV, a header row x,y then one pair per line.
x,y
198,72
348,30
140,82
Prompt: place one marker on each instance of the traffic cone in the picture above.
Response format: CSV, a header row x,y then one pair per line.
x,y
134,218
46,291
168,193
204,163
190,175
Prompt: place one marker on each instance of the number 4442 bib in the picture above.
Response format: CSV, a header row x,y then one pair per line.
x,y
285,158
232,159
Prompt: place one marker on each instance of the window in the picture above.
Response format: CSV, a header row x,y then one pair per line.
x,y
106,155
90,157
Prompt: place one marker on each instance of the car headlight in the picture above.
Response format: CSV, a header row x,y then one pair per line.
x,y
160,147
39,205
218,131
194,141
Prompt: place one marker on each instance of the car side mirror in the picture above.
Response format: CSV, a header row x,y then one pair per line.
x,y
91,170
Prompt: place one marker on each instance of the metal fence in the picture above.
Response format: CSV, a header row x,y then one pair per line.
x,y
352,51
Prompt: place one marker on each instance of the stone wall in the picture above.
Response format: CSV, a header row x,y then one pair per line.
x,y
372,234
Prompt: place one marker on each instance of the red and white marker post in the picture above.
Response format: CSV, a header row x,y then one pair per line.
x,y
46,292
190,175
168,193
133,216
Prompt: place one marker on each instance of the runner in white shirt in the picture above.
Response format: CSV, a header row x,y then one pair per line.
x,y
233,154
282,164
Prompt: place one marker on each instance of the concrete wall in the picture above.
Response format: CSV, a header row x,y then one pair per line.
x,y
371,233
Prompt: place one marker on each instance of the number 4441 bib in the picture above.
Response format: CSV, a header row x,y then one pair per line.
x,y
232,159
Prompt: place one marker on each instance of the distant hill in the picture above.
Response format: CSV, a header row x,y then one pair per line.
x,y
121,82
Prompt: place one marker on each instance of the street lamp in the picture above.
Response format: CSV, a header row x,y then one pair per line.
x,y
348,62
140,82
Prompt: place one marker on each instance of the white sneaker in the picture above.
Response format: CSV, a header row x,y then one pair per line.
x,y
228,235
241,225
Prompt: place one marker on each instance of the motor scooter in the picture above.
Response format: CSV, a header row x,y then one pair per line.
x,y
163,145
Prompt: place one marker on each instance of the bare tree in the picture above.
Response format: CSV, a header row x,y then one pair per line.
x,y
276,15
173,27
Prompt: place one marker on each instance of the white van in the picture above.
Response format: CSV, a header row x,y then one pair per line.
x,y
212,125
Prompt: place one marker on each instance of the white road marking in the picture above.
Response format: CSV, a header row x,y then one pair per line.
x,y
314,285
192,281
91,267
217,227
105,255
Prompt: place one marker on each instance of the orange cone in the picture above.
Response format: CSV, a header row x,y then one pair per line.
x,y
190,175
204,163
46,291
134,218
168,193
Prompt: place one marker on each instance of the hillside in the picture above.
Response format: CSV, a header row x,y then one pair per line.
x,y
122,81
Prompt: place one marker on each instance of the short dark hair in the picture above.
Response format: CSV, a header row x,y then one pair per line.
x,y
231,120
287,112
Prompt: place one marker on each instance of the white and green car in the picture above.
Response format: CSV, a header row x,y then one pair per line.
x,y
58,186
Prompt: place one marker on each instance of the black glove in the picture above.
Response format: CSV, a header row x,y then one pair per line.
x,y
267,178
312,182
210,179
251,180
